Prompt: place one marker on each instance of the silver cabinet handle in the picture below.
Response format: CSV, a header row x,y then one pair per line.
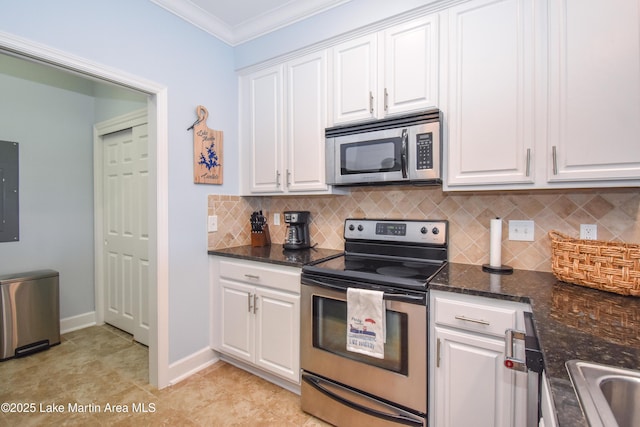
x,y
249,308
255,303
252,276
438,353
528,170
386,100
510,361
554,155
371,102
468,319
277,178
288,178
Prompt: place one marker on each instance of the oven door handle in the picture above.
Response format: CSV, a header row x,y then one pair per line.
x,y
411,299
396,418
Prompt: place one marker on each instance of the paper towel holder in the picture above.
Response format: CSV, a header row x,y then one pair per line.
x,y
495,265
501,269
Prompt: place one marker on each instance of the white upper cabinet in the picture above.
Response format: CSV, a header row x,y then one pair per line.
x,y
594,88
490,84
262,118
390,72
354,79
541,94
282,121
410,60
534,95
306,108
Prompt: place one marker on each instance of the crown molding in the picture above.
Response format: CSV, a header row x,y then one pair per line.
x,y
198,17
252,28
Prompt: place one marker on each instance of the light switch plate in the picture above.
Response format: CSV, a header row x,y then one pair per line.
x,y
212,223
276,218
521,230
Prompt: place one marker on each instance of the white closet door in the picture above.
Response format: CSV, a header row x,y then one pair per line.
x,y
126,173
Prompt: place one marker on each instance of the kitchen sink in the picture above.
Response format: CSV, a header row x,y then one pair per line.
x,y
609,396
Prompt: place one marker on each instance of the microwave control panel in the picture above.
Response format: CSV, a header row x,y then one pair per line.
x,y
424,150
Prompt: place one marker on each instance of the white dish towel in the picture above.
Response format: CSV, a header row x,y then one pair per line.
x,y
366,322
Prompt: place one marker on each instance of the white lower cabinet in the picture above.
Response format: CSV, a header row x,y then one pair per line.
x,y
256,315
469,384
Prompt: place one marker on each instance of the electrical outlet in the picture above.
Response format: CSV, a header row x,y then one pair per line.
x,y
588,231
212,223
521,230
276,218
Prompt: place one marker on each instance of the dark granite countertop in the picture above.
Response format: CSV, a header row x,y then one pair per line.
x,y
572,322
276,254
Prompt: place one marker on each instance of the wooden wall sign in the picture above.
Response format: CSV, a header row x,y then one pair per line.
x,y
207,150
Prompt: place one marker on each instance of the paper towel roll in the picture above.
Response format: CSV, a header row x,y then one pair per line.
x,y
495,248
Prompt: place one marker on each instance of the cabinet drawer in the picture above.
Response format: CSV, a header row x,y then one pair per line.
x,y
472,316
263,274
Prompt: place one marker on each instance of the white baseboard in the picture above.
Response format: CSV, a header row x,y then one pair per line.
x,y
80,321
286,384
191,364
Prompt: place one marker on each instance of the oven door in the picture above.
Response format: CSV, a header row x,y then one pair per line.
x,y
399,378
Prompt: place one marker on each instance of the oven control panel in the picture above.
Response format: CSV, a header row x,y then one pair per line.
x,y
406,231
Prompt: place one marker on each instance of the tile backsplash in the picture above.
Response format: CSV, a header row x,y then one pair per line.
x,y
616,212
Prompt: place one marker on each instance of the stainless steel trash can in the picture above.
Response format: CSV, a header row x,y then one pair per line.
x,y
30,317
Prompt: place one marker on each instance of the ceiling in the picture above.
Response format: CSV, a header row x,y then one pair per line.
x,y
237,21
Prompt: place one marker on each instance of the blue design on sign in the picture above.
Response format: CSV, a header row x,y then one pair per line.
x,y
211,159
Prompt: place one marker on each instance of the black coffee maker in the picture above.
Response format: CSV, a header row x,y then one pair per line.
x,y
297,230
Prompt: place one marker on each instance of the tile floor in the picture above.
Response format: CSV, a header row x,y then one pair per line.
x,y
101,367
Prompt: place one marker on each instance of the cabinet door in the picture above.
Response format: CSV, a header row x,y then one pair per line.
x,y
265,129
472,386
236,303
354,79
306,121
278,333
594,88
490,112
411,66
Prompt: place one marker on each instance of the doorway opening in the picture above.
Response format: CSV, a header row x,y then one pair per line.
x,y
157,215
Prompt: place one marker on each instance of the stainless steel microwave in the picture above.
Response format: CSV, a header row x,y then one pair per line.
x,y
404,149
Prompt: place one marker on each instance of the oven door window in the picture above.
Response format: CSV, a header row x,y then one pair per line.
x,y
381,155
330,334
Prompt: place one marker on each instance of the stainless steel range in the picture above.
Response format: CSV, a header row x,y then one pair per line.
x,y
348,388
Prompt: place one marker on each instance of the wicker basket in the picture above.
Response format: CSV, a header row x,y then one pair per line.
x,y
607,266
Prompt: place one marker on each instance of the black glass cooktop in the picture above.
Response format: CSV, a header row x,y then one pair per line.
x,y
392,271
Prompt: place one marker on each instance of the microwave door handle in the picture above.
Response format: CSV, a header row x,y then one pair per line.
x,y
403,154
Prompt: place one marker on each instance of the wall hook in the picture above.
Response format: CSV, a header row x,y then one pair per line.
x,y
202,115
